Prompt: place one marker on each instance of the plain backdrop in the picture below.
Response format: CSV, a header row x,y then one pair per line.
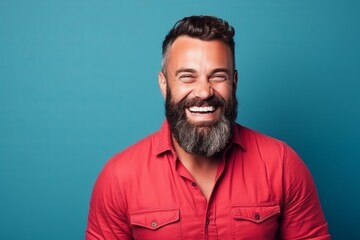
x,y
78,83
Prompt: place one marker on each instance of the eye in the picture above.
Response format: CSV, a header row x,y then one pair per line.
x,y
187,78
218,78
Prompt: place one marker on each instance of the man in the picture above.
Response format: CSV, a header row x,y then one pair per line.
x,y
203,176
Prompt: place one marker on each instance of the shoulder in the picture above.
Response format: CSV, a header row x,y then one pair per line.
x,y
123,167
254,141
147,148
275,154
135,154
142,156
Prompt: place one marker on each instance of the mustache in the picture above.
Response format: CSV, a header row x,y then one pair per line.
x,y
215,101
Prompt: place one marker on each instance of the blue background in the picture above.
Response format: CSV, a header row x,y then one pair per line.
x,y
78,83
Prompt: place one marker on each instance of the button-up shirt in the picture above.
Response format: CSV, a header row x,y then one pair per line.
x,y
263,190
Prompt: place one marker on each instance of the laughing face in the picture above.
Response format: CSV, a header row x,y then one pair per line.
x,y
199,87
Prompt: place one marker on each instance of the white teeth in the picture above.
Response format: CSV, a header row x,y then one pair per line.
x,y
202,109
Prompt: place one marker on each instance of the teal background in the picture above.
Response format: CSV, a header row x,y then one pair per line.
x,y
78,83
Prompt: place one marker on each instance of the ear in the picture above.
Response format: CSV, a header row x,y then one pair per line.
x,y
162,83
235,79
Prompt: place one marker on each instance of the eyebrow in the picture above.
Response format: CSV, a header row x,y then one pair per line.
x,y
216,70
190,70
185,70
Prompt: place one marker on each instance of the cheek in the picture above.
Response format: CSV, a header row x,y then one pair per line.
x,y
179,93
224,90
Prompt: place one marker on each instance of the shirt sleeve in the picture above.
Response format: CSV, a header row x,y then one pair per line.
x,y
107,218
302,216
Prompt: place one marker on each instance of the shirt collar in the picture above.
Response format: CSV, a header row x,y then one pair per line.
x,y
238,137
163,139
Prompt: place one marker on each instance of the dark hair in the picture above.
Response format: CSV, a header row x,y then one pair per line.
x,y
202,27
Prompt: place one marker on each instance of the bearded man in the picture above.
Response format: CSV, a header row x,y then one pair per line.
x,y
202,175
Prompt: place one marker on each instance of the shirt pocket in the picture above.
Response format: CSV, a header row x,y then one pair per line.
x,y
256,221
156,224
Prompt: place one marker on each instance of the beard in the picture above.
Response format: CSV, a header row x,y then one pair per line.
x,y
204,138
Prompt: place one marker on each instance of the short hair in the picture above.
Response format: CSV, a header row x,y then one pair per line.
x,y
201,27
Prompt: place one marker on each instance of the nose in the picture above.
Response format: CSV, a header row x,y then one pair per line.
x,y
203,89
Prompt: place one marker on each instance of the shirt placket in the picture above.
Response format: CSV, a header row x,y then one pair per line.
x,y
203,211
210,214
206,211
199,200
209,222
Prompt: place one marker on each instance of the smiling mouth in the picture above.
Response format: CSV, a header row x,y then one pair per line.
x,y
207,109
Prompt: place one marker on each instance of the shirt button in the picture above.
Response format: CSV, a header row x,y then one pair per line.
x,y
193,184
257,216
154,224
207,221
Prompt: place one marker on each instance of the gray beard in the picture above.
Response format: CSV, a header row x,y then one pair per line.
x,y
206,139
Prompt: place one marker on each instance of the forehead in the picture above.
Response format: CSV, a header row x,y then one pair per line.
x,y
195,53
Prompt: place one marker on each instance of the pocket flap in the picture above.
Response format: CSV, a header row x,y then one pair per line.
x,y
257,213
154,219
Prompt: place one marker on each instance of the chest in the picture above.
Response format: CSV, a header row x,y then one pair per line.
x,y
244,204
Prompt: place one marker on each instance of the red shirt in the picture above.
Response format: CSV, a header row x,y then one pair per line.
x,y
263,190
